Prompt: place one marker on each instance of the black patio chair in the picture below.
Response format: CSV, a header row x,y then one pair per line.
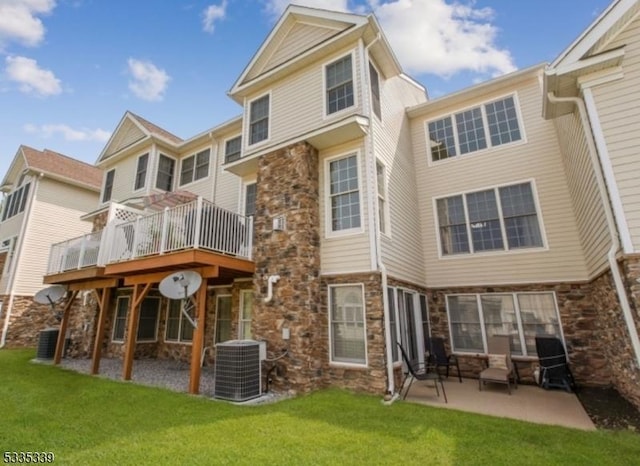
x,y
554,366
419,371
438,357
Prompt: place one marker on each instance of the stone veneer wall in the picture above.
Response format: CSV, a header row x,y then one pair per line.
x,y
373,378
579,316
29,318
613,328
100,221
288,185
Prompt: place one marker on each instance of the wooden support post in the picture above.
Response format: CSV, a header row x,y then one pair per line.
x,y
103,307
63,328
132,328
198,339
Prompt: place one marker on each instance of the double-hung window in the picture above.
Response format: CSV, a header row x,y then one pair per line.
x,y
120,318
141,172
250,199
246,312
223,318
473,318
339,85
474,129
502,218
232,149
259,120
344,193
347,328
382,196
108,185
166,168
195,167
178,328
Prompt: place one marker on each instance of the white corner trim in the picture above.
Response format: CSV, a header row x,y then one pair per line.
x,y
607,170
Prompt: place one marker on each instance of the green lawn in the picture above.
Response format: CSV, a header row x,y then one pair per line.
x,y
89,420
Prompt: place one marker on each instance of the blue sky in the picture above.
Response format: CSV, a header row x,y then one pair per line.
x,y
69,69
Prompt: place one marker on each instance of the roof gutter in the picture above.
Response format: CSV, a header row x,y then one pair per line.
x,y
595,156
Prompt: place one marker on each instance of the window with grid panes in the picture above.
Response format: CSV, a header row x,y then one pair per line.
x,y
178,327
166,168
339,83
475,129
223,319
232,149
503,218
195,167
344,193
259,120
108,185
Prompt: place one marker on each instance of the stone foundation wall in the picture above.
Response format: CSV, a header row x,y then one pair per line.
x,y
29,318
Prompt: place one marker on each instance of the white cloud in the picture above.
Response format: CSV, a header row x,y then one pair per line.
x,y
441,37
19,21
212,14
149,82
32,78
276,7
68,133
433,36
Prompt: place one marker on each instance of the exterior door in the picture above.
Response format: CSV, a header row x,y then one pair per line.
x,y
411,324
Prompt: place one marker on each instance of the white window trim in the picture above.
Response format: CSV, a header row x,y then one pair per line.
x,y
241,321
489,148
329,233
175,181
514,295
247,140
364,324
10,249
179,341
386,232
224,147
194,156
325,115
146,175
104,186
506,250
115,319
215,324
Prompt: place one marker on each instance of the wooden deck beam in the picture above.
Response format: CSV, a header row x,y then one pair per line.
x,y
157,277
198,339
64,323
103,296
139,292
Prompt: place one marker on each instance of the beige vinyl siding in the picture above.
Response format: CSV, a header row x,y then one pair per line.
x,y
8,229
127,135
124,177
300,38
588,207
204,186
349,253
536,158
297,102
55,217
402,248
618,106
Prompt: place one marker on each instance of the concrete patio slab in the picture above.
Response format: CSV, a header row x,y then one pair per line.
x,y
526,403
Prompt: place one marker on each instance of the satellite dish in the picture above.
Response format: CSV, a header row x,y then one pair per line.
x,y
180,285
50,295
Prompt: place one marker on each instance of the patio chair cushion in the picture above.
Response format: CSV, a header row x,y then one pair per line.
x,y
498,361
494,374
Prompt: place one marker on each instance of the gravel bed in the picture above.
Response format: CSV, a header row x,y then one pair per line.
x,y
172,375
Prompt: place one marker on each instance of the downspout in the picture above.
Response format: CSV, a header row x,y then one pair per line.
x,y
373,208
17,253
611,224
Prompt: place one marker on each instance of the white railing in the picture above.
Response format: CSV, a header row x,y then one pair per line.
x,y
198,224
75,253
